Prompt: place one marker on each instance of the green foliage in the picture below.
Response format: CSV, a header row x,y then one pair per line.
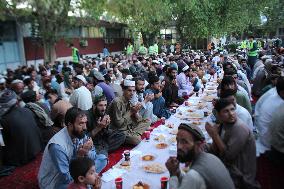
x,y
203,18
147,16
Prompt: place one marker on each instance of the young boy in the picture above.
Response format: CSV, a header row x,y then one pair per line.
x,y
83,171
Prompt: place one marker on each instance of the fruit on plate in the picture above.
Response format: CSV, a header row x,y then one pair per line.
x,y
148,158
161,145
141,185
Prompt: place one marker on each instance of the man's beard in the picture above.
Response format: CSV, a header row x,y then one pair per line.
x,y
140,91
78,135
99,113
186,157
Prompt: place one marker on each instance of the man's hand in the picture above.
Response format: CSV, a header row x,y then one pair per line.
x,y
98,183
149,97
158,95
212,130
104,122
82,151
135,109
88,145
172,165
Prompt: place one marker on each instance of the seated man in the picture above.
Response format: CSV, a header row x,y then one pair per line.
x,y
183,81
125,117
70,142
81,97
159,104
266,109
105,139
205,169
41,116
277,137
170,90
147,107
59,108
228,82
241,112
234,144
21,134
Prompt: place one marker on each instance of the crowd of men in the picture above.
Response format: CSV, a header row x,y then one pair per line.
x,y
78,112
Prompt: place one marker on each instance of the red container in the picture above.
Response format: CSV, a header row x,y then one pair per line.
x,y
147,135
118,183
164,182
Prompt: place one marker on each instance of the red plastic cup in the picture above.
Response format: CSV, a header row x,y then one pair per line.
x,y
118,183
147,135
163,120
164,182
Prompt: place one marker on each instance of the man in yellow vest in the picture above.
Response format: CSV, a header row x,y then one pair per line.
x,y
129,49
142,50
75,54
151,50
156,48
252,52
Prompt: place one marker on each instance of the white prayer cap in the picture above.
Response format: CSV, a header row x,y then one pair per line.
x,y
128,83
16,81
197,57
155,62
26,77
185,68
129,77
82,78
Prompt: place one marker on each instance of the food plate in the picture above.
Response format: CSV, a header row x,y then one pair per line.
x,y
195,116
196,123
211,88
208,98
170,125
154,168
148,157
161,145
141,185
125,165
160,138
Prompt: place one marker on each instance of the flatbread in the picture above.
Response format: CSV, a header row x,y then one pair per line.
x,y
154,168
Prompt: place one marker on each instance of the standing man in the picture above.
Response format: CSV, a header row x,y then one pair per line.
x,y
75,54
129,50
142,50
125,116
252,52
205,170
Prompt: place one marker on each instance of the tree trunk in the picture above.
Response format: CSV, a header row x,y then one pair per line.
x,y
49,52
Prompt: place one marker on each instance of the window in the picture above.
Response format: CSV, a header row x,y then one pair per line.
x,y
281,31
95,32
113,33
168,33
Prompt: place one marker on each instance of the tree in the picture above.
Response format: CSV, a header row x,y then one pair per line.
x,y
146,16
203,18
50,17
274,13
